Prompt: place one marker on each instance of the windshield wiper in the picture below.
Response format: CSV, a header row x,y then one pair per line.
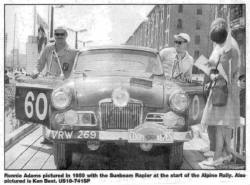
x,y
155,75
122,70
87,70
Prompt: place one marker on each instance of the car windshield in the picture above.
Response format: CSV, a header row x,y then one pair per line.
x,y
109,60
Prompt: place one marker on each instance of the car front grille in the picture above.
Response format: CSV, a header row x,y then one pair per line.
x,y
113,117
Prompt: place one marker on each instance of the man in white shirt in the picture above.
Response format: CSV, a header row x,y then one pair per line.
x,y
56,53
176,61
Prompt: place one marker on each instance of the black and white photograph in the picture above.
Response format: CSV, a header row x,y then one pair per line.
x,y
124,87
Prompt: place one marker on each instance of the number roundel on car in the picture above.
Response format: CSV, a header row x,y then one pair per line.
x,y
32,105
195,107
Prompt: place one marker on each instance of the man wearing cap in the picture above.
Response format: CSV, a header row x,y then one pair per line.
x,y
52,54
177,61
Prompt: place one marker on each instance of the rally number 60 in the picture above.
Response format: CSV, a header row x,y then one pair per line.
x,y
29,106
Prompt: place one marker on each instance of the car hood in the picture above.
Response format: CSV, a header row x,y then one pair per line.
x,y
90,90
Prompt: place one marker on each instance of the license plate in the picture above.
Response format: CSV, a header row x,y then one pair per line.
x,y
135,137
81,134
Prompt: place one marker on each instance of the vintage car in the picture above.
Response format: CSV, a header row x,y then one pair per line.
x,y
115,94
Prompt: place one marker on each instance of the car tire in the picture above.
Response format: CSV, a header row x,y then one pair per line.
x,y
175,156
62,155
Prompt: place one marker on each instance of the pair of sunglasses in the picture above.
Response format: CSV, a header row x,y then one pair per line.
x,y
179,42
59,34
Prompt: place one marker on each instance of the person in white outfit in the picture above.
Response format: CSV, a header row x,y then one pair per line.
x,y
223,118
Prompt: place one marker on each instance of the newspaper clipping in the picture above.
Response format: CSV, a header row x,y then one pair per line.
x,y
124,92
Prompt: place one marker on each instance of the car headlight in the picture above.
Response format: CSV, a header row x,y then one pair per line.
x,y
178,101
61,98
120,97
59,118
173,120
71,117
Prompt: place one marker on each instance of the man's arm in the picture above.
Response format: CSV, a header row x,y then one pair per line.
x,y
188,74
42,60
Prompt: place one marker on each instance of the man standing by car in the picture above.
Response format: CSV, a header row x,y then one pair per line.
x,y
177,59
54,54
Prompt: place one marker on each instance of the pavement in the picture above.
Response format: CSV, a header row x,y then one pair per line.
x,y
197,146
200,142
18,134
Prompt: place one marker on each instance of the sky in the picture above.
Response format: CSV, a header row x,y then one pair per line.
x,y
105,24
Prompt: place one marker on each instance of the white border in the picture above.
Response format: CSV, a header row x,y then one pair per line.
x,y
135,180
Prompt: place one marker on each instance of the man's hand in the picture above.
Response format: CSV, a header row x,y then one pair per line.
x,y
207,86
34,75
186,77
214,76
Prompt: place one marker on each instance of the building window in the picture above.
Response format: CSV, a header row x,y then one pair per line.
x,y
149,33
198,25
161,36
199,11
162,13
157,19
236,11
152,29
180,8
167,39
179,23
196,54
167,26
197,39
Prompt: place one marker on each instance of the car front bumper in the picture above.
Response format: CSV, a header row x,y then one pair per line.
x,y
116,136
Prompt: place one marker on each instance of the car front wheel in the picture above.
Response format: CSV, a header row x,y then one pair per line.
x,y
62,155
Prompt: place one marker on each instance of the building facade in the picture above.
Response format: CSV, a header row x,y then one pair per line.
x,y
164,21
15,58
31,54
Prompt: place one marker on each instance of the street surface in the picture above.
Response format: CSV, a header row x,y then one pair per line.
x,y
30,153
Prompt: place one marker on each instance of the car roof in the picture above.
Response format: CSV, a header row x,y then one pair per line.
x,y
125,47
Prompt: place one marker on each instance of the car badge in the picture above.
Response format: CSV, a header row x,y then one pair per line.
x,y
120,97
